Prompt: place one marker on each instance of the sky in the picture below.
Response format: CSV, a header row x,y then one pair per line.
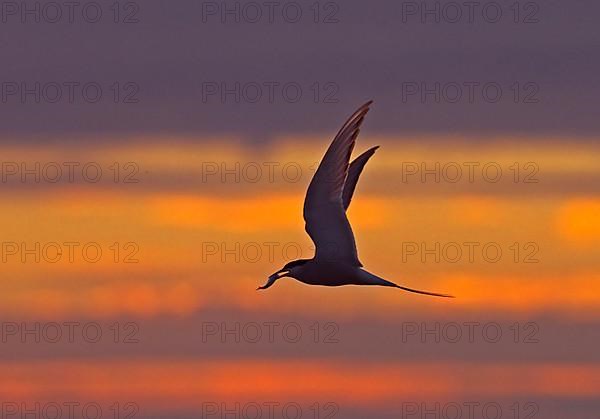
x,y
155,158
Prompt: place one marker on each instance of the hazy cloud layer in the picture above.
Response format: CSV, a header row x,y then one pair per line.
x,y
179,53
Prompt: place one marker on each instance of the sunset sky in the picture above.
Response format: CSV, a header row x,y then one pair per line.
x,y
152,221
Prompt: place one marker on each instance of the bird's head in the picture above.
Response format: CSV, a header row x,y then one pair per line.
x,y
290,269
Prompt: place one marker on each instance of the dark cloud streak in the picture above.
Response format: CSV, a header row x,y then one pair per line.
x,y
370,53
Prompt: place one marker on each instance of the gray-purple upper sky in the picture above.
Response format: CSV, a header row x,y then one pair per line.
x,y
180,57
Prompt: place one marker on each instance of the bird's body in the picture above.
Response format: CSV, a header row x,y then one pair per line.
x,y
337,274
329,194
331,274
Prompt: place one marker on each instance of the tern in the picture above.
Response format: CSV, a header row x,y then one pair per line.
x,y
329,194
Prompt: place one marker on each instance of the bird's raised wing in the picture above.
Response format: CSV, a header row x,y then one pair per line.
x,y
324,213
354,171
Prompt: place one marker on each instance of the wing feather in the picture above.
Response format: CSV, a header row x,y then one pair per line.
x,y
324,212
354,171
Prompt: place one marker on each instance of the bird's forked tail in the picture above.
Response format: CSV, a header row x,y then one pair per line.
x,y
435,294
371,279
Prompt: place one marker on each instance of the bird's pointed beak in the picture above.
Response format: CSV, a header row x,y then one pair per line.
x,y
279,274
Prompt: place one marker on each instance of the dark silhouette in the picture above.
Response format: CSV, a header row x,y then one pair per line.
x,y
329,194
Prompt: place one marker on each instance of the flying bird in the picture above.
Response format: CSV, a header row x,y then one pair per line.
x,y
329,194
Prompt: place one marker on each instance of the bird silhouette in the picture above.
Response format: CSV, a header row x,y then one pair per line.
x,y
329,194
